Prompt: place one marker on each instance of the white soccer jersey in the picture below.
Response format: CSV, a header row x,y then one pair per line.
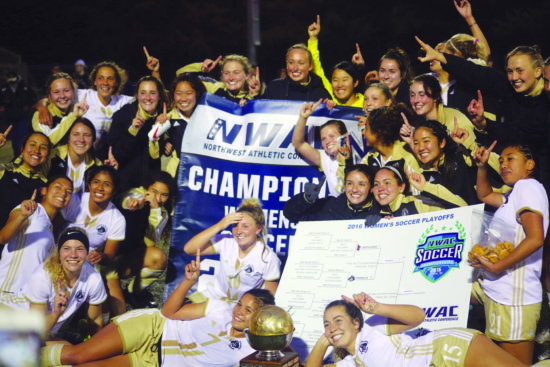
x,y
205,341
88,288
237,276
26,252
108,225
519,285
102,116
330,167
375,348
76,175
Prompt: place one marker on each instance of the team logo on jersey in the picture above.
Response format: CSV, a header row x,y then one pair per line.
x,y
79,296
101,229
235,344
249,269
363,347
438,253
421,332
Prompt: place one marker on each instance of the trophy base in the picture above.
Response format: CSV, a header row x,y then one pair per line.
x,y
287,359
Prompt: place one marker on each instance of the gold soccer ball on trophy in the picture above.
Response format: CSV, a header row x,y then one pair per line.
x,y
270,331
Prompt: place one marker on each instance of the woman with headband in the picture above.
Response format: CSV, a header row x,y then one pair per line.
x,y
63,284
188,335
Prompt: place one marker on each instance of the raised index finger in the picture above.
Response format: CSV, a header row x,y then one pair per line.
x,y
420,41
165,108
84,99
198,256
405,119
217,61
317,104
59,289
350,300
456,124
33,195
358,50
318,21
146,53
490,149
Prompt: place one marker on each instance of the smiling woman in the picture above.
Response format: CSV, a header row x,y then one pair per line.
x,y
186,91
237,82
28,234
328,159
525,212
76,156
344,79
62,285
380,340
390,188
524,106
246,262
354,203
128,137
425,98
61,108
104,224
300,84
21,177
104,98
395,72
146,210
212,333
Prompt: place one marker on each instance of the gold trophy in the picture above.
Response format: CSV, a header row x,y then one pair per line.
x,y
269,333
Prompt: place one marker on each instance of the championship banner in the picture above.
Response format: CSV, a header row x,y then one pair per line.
x,y
418,259
230,153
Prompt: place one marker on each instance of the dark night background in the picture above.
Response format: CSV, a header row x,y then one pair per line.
x,y
181,32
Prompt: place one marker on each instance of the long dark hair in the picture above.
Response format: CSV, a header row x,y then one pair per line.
x,y
354,313
164,178
399,55
431,86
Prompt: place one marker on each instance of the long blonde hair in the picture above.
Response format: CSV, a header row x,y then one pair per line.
x,y
54,269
